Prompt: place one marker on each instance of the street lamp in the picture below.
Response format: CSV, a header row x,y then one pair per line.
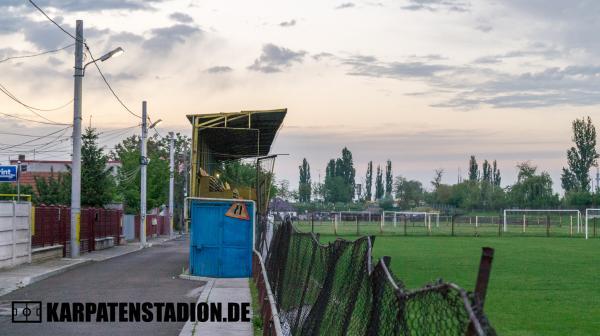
x,y
154,124
76,156
114,53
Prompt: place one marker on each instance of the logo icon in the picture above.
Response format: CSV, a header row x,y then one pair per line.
x,y
27,311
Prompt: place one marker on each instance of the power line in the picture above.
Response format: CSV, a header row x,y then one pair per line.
x,y
91,55
38,54
35,139
4,90
108,85
117,130
18,134
56,24
32,120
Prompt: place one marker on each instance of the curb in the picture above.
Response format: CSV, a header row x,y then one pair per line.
x,y
32,279
189,328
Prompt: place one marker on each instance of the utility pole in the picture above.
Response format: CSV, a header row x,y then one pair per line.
x,y
171,181
144,165
185,186
76,156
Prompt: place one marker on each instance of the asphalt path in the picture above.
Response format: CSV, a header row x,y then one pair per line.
x,y
149,275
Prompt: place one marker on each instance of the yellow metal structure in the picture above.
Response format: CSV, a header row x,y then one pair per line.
x,y
221,137
15,196
32,220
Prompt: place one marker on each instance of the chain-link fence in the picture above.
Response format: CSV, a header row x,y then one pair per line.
x,y
335,289
433,224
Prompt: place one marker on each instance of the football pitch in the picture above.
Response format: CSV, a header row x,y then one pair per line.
x,y
538,285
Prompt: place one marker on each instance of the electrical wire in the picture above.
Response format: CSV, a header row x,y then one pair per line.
x,y
91,55
39,54
18,134
32,120
56,24
117,130
4,90
114,136
108,85
35,139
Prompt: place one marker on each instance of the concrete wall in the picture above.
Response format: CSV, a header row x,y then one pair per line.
x,y
129,227
46,253
15,233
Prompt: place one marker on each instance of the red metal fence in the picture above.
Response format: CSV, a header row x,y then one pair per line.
x,y
52,227
156,225
265,297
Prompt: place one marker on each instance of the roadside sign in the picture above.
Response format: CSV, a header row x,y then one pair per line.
x,y
238,210
8,174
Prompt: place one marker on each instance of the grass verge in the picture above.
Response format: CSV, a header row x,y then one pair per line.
x,y
257,323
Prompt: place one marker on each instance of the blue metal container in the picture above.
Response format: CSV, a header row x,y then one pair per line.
x,y
221,238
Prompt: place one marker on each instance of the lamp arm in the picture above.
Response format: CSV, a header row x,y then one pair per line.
x,y
88,63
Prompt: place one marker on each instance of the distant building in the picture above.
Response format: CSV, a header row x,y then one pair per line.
x,y
30,169
280,208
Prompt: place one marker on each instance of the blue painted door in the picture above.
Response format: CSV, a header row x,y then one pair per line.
x,y
220,246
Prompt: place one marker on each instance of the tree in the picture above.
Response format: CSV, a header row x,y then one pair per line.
x,y
389,177
581,157
487,172
283,190
304,187
496,178
157,193
11,189
347,172
339,178
532,190
53,190
369,182
333,184
437,178
318,190
409,193
473,169
379,187
97,183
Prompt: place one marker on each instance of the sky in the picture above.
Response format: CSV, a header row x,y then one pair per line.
x,y
424,83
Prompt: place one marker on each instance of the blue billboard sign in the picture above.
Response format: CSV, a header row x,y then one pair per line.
x,y
8,173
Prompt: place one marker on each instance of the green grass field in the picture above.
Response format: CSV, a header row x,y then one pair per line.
x,y
538,286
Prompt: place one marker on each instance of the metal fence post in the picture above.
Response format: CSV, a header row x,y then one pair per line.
x,y
357,230
483,278
453,225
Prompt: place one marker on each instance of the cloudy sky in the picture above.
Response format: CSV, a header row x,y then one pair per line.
x,y
425,83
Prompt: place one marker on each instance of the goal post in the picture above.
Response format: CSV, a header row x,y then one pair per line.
x,y
590,213
576,212
426,217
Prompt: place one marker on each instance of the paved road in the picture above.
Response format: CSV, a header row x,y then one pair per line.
x,y
149,275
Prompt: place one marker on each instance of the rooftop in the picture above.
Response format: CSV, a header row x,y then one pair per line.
x,y
237,135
